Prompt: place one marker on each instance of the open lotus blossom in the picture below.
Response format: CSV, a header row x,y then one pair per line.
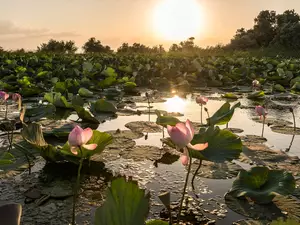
x,y
261,111
182,134
17,98
79,137
4,95
201,100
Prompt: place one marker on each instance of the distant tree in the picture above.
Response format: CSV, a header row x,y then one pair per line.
x,y
58,47
288,16
1,49
140,48
175,48
93,46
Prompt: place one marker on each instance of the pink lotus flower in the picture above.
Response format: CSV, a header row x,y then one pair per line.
x,y
79,137
261,111
181,135
17,98
4,95
201,100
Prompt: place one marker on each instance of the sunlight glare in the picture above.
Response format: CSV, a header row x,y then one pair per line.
x,y
178,20
175,104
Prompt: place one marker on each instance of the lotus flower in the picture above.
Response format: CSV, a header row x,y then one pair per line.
x,y
261,111
17,98
79,137
201,100
181,135
4,95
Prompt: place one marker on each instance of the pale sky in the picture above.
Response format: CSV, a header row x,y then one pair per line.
x,y
27,23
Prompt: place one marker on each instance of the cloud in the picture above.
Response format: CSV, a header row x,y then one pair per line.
x,y
9,31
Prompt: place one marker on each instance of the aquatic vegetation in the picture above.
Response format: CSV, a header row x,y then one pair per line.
x,y
201,100
261,184
262,113
4,96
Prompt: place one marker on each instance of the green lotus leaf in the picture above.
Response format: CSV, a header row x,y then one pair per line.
x,y
261,184
85,115
256,95
57,100
223,115
6,158
166,120
30,91
40,111
60,87
77,100
296,86
129,87
279,88
83,92
125,204
102,105
288,221
230,96
293,81
107,82
223,145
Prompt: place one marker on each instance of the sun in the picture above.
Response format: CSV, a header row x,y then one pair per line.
x,y
178,20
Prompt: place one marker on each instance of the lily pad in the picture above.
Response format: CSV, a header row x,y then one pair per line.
x,y
261,184
272,121
279,208
103,106
109,154
230,96
166,120
223,115
125,204
256,95
144,127
142,152
58,189
125,134
57,99
85,115
253,139
235,130
83,92
223,145
286,130
213,170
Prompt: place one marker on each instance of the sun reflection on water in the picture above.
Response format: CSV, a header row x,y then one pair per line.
x,y
175,104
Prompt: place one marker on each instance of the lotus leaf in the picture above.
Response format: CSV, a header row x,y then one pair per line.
x,y
83,92
102,105
223,115
85,115
261,184
125,204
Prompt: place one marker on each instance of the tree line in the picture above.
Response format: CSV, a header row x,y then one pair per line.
x,y
270,30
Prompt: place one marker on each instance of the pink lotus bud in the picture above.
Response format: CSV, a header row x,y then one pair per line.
x,y
4,95
201,100
17,98
79,137
181,135
261,111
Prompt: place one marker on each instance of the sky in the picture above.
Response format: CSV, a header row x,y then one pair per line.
x,y
28,23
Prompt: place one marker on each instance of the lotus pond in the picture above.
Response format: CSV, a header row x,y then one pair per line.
x,y
135,146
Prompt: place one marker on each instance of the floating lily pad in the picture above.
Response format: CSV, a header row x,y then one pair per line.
x,y
122,143
249,222
272,211
144,126
142,152
272,121
235,130
253,139
125,134
286,130
108,155
213,170
59,189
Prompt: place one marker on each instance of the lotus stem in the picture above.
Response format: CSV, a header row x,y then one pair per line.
x,y
206,110
184,189
6,108
195,174
77,187
201,114
263,128
289,148
226,125
148,109
163,132
292,111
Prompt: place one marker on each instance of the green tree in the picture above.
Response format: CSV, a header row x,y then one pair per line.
x,y
58,47
95,46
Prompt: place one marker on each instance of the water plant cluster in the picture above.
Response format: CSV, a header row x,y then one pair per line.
x,y
92,88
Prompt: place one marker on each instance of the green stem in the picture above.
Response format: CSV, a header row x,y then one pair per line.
x,y
294,121
226,125
77,187
148,110
201,114
195,174
289,148
184,189
263,128
6,107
